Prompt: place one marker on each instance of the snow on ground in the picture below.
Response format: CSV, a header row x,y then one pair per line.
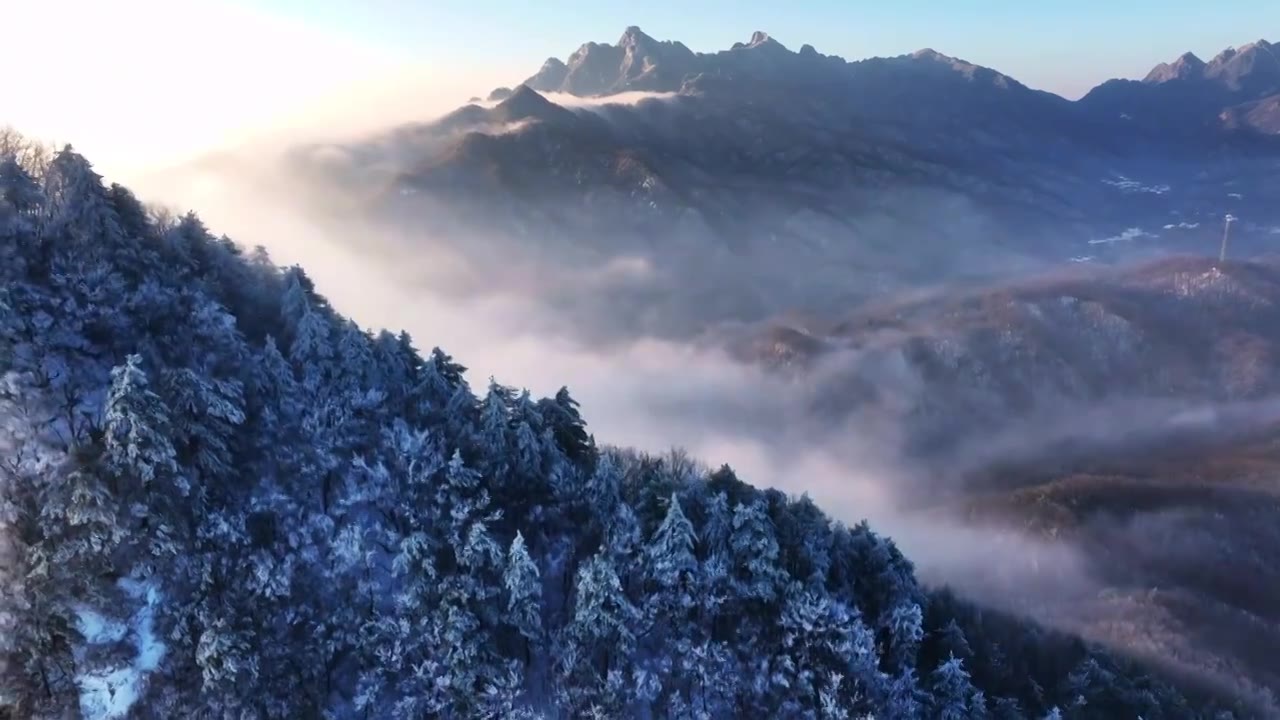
x,y
1130,234
97,628
1188,284
1125,184
109,693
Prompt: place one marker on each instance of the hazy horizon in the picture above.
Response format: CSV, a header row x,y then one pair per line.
x,y
239,69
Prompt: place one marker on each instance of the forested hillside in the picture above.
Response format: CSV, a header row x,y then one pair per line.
x,y
221,498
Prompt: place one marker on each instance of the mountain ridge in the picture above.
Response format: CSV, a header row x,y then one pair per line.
x,y
637,62
783,163
201,520
635,44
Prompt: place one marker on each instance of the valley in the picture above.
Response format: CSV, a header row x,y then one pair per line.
x,y
927,396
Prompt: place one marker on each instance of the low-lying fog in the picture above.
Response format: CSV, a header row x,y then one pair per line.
x,y
647,390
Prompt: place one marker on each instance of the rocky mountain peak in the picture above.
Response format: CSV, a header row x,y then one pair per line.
x,y
550,76
1252,69
1186,67
525,103
760,39
633,36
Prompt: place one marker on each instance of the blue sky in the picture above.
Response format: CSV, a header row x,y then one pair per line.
x,y
237,69
1065,47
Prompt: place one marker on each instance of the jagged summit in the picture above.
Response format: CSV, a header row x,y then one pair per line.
x,y
760,39
1187,66
636,62
639,62
1234,90
633,35
1251,69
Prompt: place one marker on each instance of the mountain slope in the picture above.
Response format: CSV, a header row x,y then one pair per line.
x,y
1128,415
747,168
1189,96
961,363
333,523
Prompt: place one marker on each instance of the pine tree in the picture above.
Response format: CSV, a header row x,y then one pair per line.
x,y
953,643
669,555
496,441
205,413
137,426
531,455
142,462
952,691
905,699
670,572
36,621
565,421
311,351
18,189
602,492
906,632
78,203
21,203
823,640
81,525
755,553
599,640
524,591
523,612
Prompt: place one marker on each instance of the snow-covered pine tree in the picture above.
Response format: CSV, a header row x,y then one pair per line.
x,y
322,558
906,632
670,609
78,205
823,640
952,692
141,460
18,190
523,585
596,647
565,421
754,550
522,612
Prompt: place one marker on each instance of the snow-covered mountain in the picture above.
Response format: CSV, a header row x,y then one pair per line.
x,y
220,497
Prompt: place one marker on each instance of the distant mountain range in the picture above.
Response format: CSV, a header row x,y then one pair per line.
x,y
1248,75
857,224
1239,90
730,176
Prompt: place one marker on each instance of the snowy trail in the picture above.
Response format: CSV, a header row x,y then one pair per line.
x,y
109,693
